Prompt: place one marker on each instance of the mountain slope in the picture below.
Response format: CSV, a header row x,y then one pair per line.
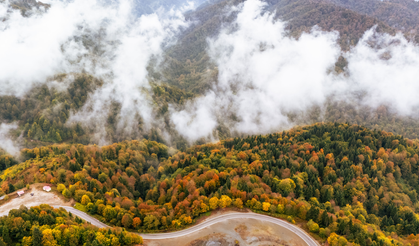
x,y
400,14
188,63
345,180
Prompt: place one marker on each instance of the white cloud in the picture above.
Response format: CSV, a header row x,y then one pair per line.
x,y
125,76
6,142
387,68
263,74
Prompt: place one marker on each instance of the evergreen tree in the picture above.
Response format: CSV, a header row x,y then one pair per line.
x,y
11,188
36,237
324,221
5,235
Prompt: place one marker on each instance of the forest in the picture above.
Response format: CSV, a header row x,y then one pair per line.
x,y
347,184
350,180
42,113
45,225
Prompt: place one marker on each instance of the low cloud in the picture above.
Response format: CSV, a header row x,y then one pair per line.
x,y
264,75
386,68
6,143
104,38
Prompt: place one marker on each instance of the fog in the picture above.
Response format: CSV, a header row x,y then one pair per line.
x,y
7,143
263,73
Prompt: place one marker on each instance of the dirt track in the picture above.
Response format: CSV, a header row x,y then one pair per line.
x,y
39,197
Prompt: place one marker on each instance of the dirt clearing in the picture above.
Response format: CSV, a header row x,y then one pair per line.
x,y
39,197
236,232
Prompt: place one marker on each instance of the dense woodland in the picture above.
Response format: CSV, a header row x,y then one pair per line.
x,y
347,184
44,225
42,113
350,185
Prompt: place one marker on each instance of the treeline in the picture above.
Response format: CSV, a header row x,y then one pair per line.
x,y
46,226
346,181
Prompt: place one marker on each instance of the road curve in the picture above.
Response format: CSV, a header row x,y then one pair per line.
x,y
211,221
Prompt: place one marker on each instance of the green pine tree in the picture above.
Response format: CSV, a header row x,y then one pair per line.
x,y
5,235
36,237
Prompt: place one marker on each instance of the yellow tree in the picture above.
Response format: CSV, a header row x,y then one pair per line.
x,y
27,241
85,200
238,203
102,239
213,202
266,206
336,240
224,201
60,188
204,207
48,238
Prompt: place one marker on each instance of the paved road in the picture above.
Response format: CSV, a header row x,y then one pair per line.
x,y
214,220
84,216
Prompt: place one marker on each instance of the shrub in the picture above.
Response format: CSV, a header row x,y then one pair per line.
x,y
66,193
60,188
312,226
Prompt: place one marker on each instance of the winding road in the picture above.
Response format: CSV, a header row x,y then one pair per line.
x,y
211,221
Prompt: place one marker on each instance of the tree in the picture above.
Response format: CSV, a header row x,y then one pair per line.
x,y
48,238
60,188
11,188
127,220
213,202
266,206
336,240
312,226
66,193
151,222
258,206
58,137
85,200
36,237
109,213
285,186
280,209
2,243
273,209
224,201
238,203
136,222
5,235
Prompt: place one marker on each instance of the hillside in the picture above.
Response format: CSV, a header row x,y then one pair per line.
x,y
345,181
45,225
42,114
400,14
188,62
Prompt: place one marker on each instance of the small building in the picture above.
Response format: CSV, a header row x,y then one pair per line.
x,y
20,193
47,188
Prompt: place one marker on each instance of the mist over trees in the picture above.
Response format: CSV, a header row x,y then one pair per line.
x,y
151,114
